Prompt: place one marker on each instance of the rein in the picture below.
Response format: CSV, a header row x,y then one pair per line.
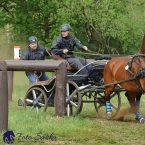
x,y
119,82
134,77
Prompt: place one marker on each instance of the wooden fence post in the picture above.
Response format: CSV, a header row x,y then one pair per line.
x,y
60,93
3,96
10,85
49,65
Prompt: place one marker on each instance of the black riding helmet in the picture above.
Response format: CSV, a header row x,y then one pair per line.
x,y
32,39
65,27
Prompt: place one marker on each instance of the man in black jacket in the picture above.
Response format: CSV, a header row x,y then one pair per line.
x,y
63,46
35,52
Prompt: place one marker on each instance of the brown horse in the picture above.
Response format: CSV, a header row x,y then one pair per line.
x,y
123,68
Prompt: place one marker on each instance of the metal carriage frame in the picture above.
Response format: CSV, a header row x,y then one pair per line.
x,y
79,89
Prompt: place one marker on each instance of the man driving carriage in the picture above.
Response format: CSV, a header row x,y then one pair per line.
x,y
63,46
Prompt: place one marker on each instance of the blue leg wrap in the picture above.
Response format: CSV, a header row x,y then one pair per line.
x,y
138,114
137,103
108,110
108,106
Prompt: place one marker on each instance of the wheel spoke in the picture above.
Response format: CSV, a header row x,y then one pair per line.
x,y
30,101
72,103
34,94
73,93
42,105
36,109
32,108
68,110
67,89
114,106
112,95
40,96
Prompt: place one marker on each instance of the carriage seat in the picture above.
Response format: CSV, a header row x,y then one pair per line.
x,y
51,80
68,67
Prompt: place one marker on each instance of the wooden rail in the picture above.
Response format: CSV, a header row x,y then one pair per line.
x,y
32,65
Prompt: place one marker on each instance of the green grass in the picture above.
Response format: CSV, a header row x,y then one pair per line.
x,y
85,128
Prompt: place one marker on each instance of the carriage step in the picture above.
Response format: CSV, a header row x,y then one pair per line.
x,y
20,102
51,102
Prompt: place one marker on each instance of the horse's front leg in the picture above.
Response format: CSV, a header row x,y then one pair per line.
x,y
108,92
138,114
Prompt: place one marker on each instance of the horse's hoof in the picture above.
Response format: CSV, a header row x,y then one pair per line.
x,y
142,120
108,116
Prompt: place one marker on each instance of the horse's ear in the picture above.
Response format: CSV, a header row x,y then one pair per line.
x,y
143,41
142,51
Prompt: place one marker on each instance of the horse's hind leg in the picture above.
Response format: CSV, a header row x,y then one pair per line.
x,y
135,104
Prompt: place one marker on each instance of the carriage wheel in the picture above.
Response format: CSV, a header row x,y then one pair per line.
x,y
73,99
36,98
100,104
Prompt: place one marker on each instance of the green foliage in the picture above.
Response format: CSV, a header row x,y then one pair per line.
x,y
104,26
85,128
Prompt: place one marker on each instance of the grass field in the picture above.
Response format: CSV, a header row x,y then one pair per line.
x,y
31,128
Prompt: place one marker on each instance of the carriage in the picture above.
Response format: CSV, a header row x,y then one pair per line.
x,y
80,89
102,87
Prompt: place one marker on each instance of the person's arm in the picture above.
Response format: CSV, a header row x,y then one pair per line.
x,y
79,45
56,47
24,56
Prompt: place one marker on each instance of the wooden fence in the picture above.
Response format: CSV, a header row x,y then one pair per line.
x,y
31,65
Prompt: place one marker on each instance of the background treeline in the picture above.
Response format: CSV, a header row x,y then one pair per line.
x,y
105,26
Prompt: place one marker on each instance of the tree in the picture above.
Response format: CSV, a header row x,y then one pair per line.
x,y
104,26
28,18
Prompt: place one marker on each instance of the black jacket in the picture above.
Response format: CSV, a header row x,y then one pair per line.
x,y
68,42
38,54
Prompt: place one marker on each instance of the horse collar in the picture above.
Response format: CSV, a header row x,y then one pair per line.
x,y
140,74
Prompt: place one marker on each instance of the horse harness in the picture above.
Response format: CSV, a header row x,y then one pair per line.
x,y
140,74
